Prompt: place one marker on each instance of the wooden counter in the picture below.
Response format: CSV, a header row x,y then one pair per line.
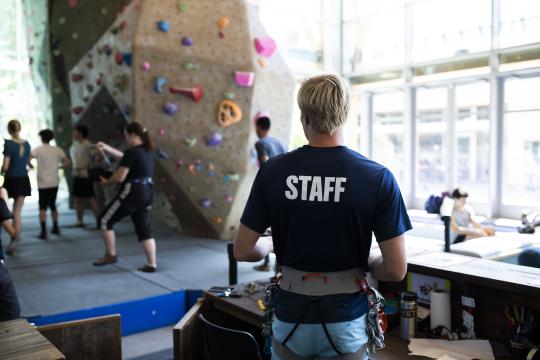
x,y
20,340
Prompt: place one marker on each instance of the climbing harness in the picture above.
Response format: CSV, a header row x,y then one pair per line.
x,y
332,283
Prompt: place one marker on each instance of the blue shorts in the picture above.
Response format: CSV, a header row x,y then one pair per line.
x,y
310,339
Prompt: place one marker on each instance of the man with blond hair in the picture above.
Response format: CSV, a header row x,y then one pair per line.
x,y
323,202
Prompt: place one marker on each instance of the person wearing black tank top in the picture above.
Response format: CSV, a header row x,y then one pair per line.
x,y
135,197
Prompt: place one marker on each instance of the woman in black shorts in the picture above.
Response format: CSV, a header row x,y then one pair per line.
x,y
135,197
16,182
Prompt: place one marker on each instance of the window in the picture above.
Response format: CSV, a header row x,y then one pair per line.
x,y
521,167
520,22
389,132
442,28
472,139
432,162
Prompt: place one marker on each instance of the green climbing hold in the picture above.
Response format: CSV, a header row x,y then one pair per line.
x,y
183,6
189,66
229,95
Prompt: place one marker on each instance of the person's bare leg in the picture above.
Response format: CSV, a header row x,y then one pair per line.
x,y
150,252
17,207
54,218
109,239
42,223
42,215
7,224
80,210
95,208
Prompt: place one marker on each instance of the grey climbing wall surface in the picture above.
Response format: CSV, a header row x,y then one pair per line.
x,y
75,26
196,73
37,34
202,71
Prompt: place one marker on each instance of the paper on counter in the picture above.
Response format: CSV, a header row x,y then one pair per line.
x,y
458,350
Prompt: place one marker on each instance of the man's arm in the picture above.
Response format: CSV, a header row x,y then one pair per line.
x,y
391,265
248,246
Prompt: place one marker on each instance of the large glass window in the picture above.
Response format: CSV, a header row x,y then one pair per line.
x,y
520,22
521,168
389,132
432,162
472,139
442,28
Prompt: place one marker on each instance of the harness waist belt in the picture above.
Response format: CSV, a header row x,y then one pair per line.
x,y
143,181
287,354
321,283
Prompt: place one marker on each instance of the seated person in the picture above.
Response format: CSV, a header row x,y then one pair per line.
x,y
463,225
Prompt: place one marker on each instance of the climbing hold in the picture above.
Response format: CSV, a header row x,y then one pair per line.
x,y
191,169
122,25
170,108
190,141
262,62
162,154
205,203
214,139
211,167
183,7
221,35
229,198
159,83
179,164
187,41
195,93
77,110
86,99
89,65
73,3
77,77
98,81
217,219
121,82
75,36
90,88
127,58
223,22
145,66
104,10
163,26
118,58
228,113
231,178
244,78
229,95
62,20
189,66
161,132
265,46
107,49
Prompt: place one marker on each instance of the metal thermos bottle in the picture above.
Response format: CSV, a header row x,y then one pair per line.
x,y
408,315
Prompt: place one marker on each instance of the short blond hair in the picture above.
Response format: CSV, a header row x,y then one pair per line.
x,y
325,101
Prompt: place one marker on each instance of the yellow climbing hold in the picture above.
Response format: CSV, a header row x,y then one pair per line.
x,y
223,22
262,62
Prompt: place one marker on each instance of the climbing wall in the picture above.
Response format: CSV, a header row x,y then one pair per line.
x,y
202,71
106,65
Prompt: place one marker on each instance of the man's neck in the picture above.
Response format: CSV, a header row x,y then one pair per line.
x,y
321,140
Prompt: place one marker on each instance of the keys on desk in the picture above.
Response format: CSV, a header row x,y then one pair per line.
x,y
222,291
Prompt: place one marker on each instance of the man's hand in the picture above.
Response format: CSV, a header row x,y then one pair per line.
x,y
248,246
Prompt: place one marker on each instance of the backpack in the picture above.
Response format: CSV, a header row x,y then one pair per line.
x,y
434,202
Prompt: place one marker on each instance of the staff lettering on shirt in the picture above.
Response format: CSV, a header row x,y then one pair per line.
x,y
315,188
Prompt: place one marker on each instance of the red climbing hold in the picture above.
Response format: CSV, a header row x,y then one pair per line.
x,y
119,58
195,93
77,110
76,77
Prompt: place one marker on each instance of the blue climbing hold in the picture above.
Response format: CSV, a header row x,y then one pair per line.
x,y
127,58
162,155
159,83
163,26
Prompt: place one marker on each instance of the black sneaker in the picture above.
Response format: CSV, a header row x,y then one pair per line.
x,y
55,230
43,235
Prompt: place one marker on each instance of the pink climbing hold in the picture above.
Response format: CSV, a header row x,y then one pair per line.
x,y
195,93
161,132
229,199
145,66
244,78
73,3
265,46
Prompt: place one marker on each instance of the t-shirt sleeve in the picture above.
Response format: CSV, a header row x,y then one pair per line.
x,y
391,218
255,214
128,159
261,150
6,151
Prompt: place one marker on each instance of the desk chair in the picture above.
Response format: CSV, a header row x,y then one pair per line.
x,y
222,343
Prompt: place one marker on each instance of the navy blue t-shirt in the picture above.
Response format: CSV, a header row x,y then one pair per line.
x,y
269,147
323,205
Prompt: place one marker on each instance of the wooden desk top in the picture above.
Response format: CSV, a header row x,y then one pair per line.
x,y
20,340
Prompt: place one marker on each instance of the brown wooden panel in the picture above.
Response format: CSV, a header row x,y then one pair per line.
x,y
97,338
188,335
20,340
